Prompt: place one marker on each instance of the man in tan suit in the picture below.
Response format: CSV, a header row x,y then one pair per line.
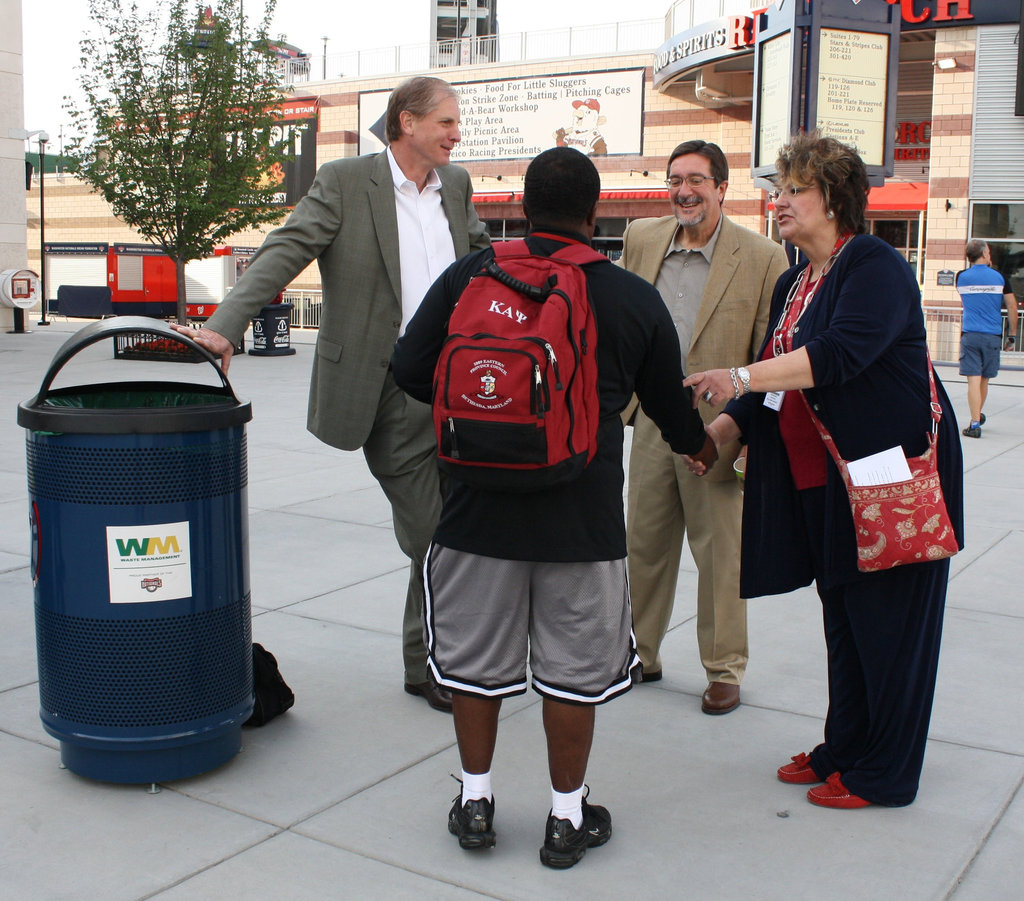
x,y
716,279
382,227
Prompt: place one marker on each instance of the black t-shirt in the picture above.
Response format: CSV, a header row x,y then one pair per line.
x,y
637,350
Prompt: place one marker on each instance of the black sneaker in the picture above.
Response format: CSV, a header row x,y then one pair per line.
x,y
472,822
972,432
564,844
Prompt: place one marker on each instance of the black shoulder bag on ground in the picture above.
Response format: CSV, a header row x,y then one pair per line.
x,y
272,694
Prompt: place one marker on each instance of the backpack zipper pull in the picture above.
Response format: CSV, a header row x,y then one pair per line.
x,y
554,366
538,390
455,444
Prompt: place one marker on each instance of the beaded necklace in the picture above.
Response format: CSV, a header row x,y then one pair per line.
x,y
800,295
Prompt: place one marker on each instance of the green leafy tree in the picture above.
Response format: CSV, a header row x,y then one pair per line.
x,y
179,125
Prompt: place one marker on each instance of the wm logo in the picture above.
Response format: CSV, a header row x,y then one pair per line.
x,y
147,547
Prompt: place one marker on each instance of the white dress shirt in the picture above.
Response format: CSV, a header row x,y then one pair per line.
x,y
425,245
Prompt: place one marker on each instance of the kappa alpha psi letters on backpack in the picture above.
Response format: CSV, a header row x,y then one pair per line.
x,y
515,390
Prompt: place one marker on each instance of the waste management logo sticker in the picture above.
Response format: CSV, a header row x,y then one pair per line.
x,y
149,563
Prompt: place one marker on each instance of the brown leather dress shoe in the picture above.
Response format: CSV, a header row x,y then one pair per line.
x,y
720,697
435,695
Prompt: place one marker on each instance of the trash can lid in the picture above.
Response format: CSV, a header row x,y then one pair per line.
x,y
131,407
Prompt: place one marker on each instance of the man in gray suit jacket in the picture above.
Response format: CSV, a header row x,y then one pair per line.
x,y
717,279
382,227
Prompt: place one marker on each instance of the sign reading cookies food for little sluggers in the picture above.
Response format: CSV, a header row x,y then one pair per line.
x,y
149,563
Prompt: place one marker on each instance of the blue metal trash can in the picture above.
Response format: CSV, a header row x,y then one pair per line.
x,y
139,518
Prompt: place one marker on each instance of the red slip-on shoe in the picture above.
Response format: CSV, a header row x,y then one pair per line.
x,y
834,794
798,772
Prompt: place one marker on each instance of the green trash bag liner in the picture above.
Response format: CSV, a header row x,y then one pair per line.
x,y
122,399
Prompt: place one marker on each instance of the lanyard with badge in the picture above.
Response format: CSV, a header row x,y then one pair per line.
x,y
797,300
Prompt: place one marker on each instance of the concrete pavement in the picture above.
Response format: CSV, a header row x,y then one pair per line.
x,y
346,796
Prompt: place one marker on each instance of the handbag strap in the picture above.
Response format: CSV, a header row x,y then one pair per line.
x,y
826,435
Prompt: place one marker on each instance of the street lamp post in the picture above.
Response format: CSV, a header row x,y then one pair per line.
x,y
325,39
43,139
21,135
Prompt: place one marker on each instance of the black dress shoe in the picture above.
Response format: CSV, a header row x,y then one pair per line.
x,y
653,675
437,697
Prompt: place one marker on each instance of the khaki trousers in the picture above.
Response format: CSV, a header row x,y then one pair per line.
x,y
665,502
401,453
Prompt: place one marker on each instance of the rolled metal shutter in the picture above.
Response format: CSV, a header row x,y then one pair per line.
x,y
75,269
997,150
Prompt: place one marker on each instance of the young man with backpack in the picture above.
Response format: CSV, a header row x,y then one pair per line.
x,y
518,572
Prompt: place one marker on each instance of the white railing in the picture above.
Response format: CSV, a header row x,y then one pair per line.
x,y
305,308
641,36
943,327
685,14
941,323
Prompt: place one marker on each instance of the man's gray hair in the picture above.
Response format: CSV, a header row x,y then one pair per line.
x,y
419,95
975,250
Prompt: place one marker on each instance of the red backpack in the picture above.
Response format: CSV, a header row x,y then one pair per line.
x,y
515,388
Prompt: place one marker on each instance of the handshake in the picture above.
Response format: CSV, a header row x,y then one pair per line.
x,y
704,459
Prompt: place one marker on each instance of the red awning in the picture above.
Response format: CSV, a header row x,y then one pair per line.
x,y
507,197
898,195
510,196
893,196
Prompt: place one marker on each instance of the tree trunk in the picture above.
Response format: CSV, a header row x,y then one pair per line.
x,y
179,274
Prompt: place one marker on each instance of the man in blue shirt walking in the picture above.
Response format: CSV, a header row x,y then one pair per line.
x,y
983,291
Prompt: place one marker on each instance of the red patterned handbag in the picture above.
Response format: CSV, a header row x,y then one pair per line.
x,y
899,522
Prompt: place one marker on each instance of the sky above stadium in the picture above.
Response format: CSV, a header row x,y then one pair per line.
x,y
52,31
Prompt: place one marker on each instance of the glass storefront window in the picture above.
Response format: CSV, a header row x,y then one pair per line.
x,y
1008,258
998,220
608,228
894,232
505,229
609,231
998,224
902,234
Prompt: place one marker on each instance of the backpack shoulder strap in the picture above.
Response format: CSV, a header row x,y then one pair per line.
x,y
516,248
580,254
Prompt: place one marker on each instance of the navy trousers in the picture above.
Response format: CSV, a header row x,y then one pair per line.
x,y
882,634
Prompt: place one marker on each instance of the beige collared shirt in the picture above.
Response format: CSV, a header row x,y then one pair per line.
x,y
425,244
681,281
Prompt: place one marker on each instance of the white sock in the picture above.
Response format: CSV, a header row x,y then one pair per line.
x,y
568,806
476,786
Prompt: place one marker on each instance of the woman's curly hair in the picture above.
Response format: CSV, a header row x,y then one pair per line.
x,y
835,168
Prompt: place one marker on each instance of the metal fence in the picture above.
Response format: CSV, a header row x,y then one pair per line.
x,y
943,327
557,43
305,308
941,323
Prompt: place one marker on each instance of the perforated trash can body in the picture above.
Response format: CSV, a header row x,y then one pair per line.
x,y
140,565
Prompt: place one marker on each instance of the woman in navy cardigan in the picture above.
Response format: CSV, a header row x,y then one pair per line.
x,y
846,327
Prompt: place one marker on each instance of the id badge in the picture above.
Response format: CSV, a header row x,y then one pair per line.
x,y
773,400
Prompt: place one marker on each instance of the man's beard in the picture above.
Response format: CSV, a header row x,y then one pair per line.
x,y
690,217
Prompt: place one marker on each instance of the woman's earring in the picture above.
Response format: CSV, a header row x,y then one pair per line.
x,y
830,215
